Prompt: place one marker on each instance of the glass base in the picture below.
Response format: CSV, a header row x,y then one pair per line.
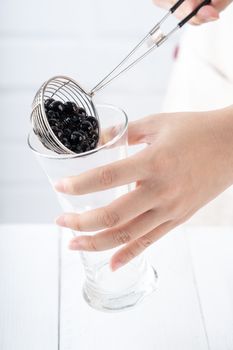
x,y
118,297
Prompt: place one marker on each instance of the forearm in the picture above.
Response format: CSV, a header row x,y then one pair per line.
x,y
221,124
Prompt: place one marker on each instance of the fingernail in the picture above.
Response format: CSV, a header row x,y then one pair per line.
x,y
76,245
61,221
117,265
59,186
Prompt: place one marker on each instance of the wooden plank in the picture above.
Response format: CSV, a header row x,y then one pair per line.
x,y
28,287
169,319
212,255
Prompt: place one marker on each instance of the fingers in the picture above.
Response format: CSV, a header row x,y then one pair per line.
x,y
164,4
115,174
133,249
207,14
117,213
123,234
108,134
138,130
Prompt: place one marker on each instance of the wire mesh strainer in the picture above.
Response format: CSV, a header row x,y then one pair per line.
x,y
66,89
63,89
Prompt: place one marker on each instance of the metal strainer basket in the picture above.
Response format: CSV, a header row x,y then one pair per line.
x,y
62,89
65,89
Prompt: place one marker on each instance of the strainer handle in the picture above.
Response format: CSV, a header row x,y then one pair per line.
x,y
151,41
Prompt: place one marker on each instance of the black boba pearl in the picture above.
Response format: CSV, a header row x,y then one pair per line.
x,y
78,137
55,129
54,122
52,115
60,126
78,149
57,106
81,118
84,135
70,107
64,140
73,148
48,102
86,126
76,119
81,111
67,144
67,121
60,133
93,144
93,122
75,137
94,136
86,147
67,132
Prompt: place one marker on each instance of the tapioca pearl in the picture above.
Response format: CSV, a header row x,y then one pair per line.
x,y
93,122
67,132
48,102
81,111
78,137
70,107
86,126
57,106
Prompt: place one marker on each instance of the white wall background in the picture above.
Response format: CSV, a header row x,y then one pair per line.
x,y
83,39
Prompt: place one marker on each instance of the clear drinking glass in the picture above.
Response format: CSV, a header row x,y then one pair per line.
x,y
103,289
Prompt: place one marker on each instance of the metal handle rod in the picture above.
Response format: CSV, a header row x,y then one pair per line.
x,y
107,79
194,12
111,76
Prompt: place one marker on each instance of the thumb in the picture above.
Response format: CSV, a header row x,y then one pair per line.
x,y
140,130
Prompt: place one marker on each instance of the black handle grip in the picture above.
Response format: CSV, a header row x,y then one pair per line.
x,y
193,13
175,7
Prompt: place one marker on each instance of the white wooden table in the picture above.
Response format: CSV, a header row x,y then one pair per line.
x,y
192,308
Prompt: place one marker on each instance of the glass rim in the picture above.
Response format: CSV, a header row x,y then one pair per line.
x,y
84,154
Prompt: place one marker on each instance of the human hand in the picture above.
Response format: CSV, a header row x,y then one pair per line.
x,y
206,14
187,162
